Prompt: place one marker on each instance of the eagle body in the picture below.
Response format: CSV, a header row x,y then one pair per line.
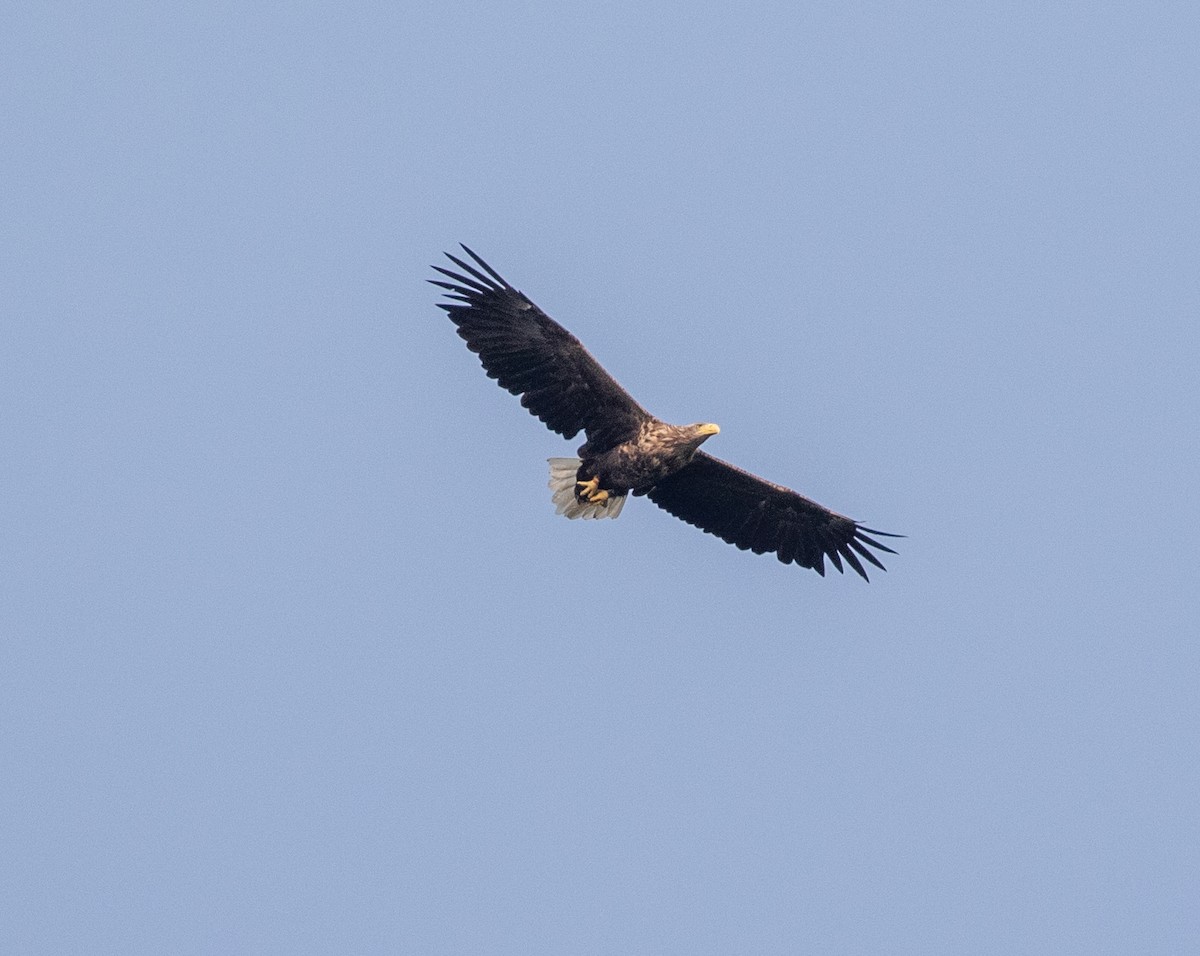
x,y
627,450
656,451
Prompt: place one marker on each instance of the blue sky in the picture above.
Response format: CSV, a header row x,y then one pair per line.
x,y
297,656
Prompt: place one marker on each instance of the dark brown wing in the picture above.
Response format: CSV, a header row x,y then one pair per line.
x,y
533,356
753,514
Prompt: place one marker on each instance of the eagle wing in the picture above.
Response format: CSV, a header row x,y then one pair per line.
x,y
754,514
533,356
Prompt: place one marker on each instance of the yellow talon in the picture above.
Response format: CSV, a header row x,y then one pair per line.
x,y
585,489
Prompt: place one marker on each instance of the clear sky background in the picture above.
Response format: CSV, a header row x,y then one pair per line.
x,y
297,657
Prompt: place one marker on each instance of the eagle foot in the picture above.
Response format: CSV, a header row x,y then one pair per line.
x,y
590,491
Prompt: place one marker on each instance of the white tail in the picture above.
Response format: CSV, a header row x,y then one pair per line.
x,y
562,483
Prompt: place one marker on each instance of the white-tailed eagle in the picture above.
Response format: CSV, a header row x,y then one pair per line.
x,y
628,450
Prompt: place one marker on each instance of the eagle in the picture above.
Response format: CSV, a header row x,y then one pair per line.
x,y
628,450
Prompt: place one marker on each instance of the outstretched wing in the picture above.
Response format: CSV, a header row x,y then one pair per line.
x,y
754,514
533,356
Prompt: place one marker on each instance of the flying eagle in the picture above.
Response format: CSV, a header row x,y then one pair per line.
x,y
628,450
